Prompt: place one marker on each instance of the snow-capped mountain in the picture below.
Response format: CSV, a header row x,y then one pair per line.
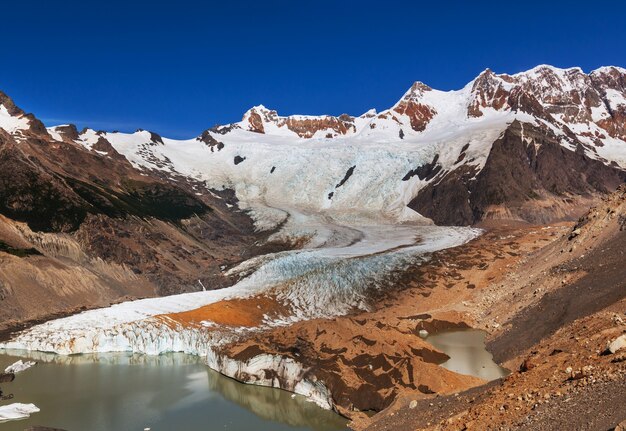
x,y
433,151
529,146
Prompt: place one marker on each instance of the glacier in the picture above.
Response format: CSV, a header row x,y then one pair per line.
x,y
331,279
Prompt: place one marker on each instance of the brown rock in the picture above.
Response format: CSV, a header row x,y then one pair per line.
x,y
6,377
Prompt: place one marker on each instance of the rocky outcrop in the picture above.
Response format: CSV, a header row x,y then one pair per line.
x,y
528,176
341,364
208,139
418,113
257,119
488,92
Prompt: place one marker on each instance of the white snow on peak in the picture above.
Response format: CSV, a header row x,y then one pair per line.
x,y
11,123
369,113
281,171
542,67
608,69
256,109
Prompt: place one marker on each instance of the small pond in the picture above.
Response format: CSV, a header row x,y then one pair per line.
x,y
466,349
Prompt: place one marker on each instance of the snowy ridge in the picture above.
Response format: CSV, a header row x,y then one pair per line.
x,y
280,172
298,162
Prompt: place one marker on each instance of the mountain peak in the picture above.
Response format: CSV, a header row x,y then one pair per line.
x,y
256,117
609,69
549,68
416,90
10,106
13,119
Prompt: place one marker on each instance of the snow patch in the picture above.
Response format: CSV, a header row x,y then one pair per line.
x,y
19,366
17,411
12,123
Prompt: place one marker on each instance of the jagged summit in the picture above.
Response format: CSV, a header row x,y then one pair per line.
x,y
547,67
563,97
15,121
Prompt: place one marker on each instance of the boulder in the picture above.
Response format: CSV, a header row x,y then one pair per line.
x,y
618,344
6,377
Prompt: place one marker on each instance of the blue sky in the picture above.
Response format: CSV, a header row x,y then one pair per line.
x,y
180,67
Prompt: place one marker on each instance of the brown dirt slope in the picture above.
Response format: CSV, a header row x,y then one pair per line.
x,y
595,249
551,316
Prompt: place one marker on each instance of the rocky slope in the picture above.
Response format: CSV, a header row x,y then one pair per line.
x,y
553,312
83,228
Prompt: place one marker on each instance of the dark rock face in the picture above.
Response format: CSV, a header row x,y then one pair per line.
x,y
448,201
211,142
28,193
7,377
424,172
57,201
346,177
527,181
68,132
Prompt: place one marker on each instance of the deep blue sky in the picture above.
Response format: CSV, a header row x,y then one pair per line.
x,y
180,67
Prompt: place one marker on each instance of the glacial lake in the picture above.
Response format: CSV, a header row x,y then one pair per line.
x,y
126,392
467,352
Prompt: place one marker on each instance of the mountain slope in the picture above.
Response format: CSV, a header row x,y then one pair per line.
x,y
85,228
430,152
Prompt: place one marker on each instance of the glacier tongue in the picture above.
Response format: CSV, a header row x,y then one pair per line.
x,y
317,282
335,275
